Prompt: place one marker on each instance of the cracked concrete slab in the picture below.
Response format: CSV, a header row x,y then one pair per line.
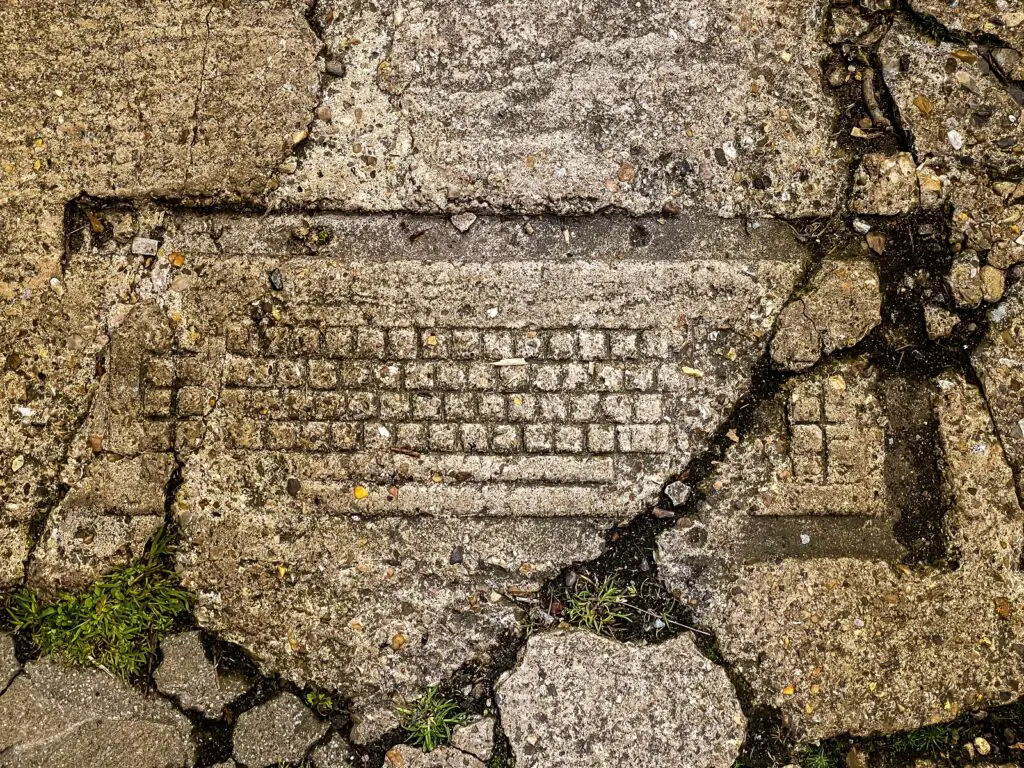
x,y
950,103
849,639
555,106
388,406
64,717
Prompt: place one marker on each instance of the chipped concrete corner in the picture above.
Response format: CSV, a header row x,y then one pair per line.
x,y
411,318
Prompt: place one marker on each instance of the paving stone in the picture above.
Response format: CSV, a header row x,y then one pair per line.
x,y
470,748
9,664
949,102
345,424
279,731
885,185
999,362
577,699
333,753
532,106
65,717
153,97
800,573
842,304
186,674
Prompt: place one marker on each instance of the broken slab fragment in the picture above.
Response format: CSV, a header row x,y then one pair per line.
x,y
579,700
842,304
186,674
813,605
949,102
9,664
988,219
65,717
546,106
470,748
939,322
280,731
152,97
333,753
999,362
388,406
885,185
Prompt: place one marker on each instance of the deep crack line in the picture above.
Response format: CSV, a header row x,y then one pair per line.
x,y
198,100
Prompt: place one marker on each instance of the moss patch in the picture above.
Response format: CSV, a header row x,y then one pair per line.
x,y
116,623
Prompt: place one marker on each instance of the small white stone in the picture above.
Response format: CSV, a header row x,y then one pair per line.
x,y
956,139
861,227
463,221
145,246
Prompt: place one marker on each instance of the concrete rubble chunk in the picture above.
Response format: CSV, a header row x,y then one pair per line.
x,y
577,699
9,664
279,731
885,185
470,748
800,574
333,753
952,106
939,322
352,399
65,717
988,218
965,281
842,304
999,363
548,106
186,674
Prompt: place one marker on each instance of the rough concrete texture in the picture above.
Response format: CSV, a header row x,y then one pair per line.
x,y
999,363
333,753
577,699
60,717
717,107
9,664
189,676
998,19
470,748
278,731
885,185
950,103
851,640
116,98
841,305
442,421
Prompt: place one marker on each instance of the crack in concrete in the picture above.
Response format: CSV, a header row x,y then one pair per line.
x,y
198,100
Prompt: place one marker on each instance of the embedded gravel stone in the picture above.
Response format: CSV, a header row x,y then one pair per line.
x,y
799,572
842,304
66,717
279,731
577,699
391,432
538,106
194,680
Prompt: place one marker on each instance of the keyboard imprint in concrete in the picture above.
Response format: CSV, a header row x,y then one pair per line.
x,y
392,406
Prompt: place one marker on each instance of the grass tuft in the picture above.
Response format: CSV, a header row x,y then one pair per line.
x,y
931,738
320,702
116,623
430,721
818,757
598,606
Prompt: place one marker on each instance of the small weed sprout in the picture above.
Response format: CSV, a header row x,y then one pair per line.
x,y
817,757
598,606
931,738
429,722
116,623
320,702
